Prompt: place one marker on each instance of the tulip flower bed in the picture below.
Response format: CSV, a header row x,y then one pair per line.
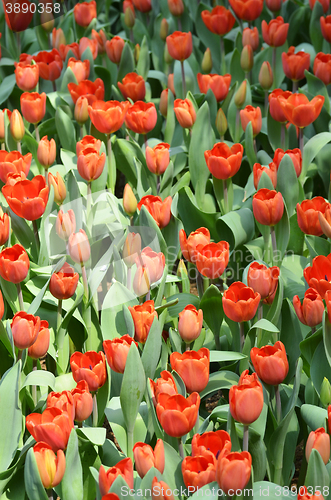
x,y
165,263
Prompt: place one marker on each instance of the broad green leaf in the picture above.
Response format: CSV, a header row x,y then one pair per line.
x,y
264,324
211,305
72,482
236,227
288,184
221,356
112,318
65,129
311,149
317,475
33,485
151,353
220,380
314,416
40,377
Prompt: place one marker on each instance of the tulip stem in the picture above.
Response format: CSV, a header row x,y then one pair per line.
x,y
50,494
278,404
181,448
34,387
245,438
242,335
158,183
259,330
37,133
266,102
274,244
183,79
274,64
59,316
237,134
148,296
225,194
81,132
110,170
54,85
19,149
36,234
20,296
85,284
199,281
223,65
146,142
88,201
130,444
95,411
197,425
301,140
295,87
19,354
3,146
282,136
18,40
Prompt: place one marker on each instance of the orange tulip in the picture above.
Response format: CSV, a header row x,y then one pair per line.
x,y
240,302
224,162
145,457
159,210
131,248
33,106
253,115
233,471
40,347
307,215
27,76
58,38
90,164
246,399
65,49
322,67
154,262
270,363
176,7
50,64
85,43
311,311
299,110
81,69
63,284
189,245
14,264
294,65
250,37
141,117
180,45
51,467
101,39
271,172
264,280
163,106
84,13
268,207
83,401
326,27
275,108
219,21
65,224
114,49
93,91
318,276
133,87
163,385
185,112
14,162
275,33
143,5
161,490
27,199
320,441
247,10
294,154
91,367
25,328
79,247
141,281
198,471
143,316
59,187
190,323
274,5
2,122
4,227
211,444
62,400
108,117
176,414
304,495
193,367
212,259
157,158
325,221
123,468
219,84
46,152
88,141
53,427
117,351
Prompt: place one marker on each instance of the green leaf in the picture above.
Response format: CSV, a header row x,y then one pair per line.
x,y
66,130
112,317
33,485
221,356
40,377
249,145
319,367
171,121
264,324
211,305
192,216
288,184
68,77
327,336
6,87
314,416
126,63
315,33
72,482
315,85
282,231
133,387
152,349
143,62
236,227
311,149
317,475
220,380
97,435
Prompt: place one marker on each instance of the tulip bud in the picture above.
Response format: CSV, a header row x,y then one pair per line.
x,y
136,53
79,247
163,106
190,323
141,281
129,200
47,21
46,152
176,7
129,17
17,128
181,269
81,110
221,122
167,57
65,224
207,62
320,441
58,38
131,248
266,78
59,187
164,29
325,393
247,58
240,95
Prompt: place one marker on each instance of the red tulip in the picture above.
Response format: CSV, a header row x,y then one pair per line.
x,y
91,367
65,49
275,108
198,471
270,363
320,441
189,245
18,14
141,117
83,401
233,471
274,5
25,328
145,457
81,69
294,65
163,106
176,414
322,67
318,276
33,106
246,399
84,13
63,284
253,115
93,91
250,37
193,368
299,110
133,87
176,7
219,21
46,152
27,199
275,33
185,112
117,351
51,467
14,264
40,347
79,247
219,84
143,5
212,444
271,172
311,311
240,302
304,495
247,10
190,323
157,158
114,49
143,316
159,210
264,280
268,207
224,162
27,76
14,162
101,39
62,400
294,154
53,427
50,64
180,45
212,259
123,468
326,27
163,385
85,43
108,117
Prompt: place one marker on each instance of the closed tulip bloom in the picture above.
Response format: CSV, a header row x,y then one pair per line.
x,y
40,347
246,399
263,279
114,49
224,162
33,106
198,471
133,87
131,248
233,471
193,368
180,45
318,276
304,495
176,7
161,490
143,316
14,264
163,106
300,111
240,302
27,199
190,323
213,444
83,401
27,76
51,467
207,61
62,400
4,227
247,58
93,91
322,67
108,117
185,112
65,224
117,351
250,37
177,415
25,328
266,77
275,108
90,367
46,152
325,4
270,363
157,158
143,5
271,172
320,441
50,64
188,245
212,259
154,262
141,117
101,39
326,27
141,282
88,141
165,384
90,164
219,21
247,10
294,65
240,95
311,311
19,19
59,187
307,215
58,38
275,33
253,115
53,427
14,163
129,200
63,284
159,210
85,43
84,13
123,468
219,84
65,49
81,69
268,207
79,247
294,154
171,85
145,457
